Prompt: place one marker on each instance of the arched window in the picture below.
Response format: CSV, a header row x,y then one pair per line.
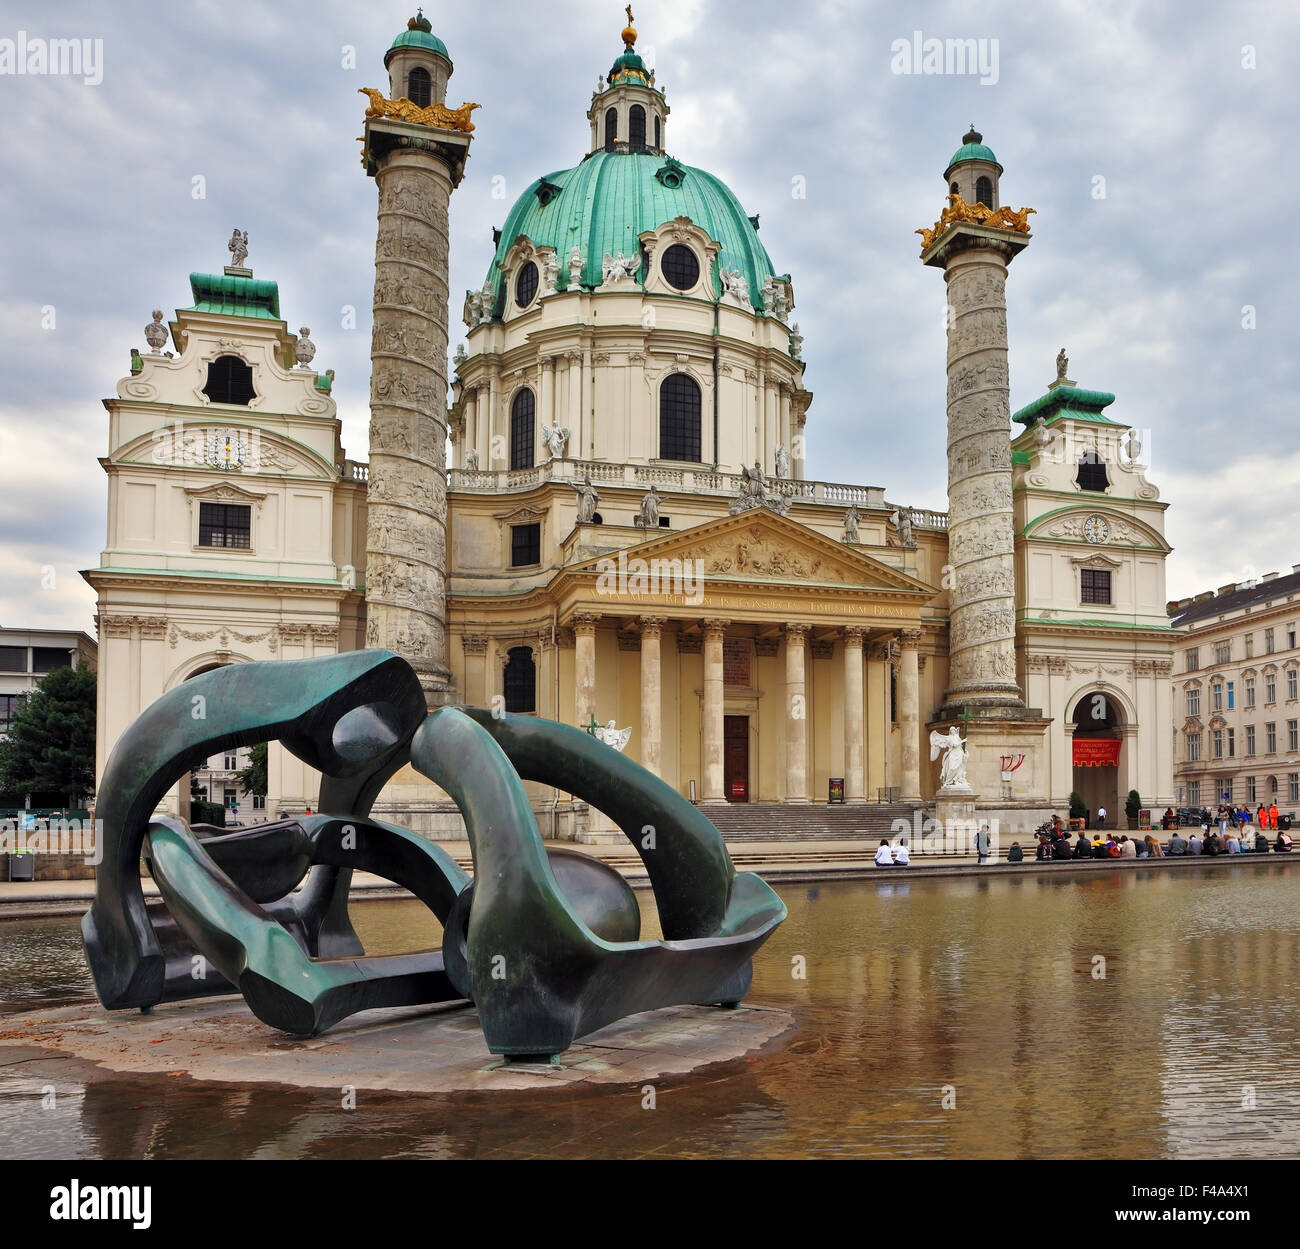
x,y
954,189
658,131
526,285
522,420
230,380
679,418
1092,472
984,192
419,87
636,128
611,129
521,680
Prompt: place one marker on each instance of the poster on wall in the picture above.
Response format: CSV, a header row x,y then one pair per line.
x,y
1096,752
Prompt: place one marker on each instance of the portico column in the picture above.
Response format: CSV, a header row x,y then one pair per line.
x,y
494,461
548,410
796,713
854,735
651,694
483,427
714,632
584,668
909,713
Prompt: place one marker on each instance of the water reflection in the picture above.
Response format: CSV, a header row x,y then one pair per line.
x,y
1137,1012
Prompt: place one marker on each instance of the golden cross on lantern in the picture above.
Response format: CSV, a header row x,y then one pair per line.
x,y
630,19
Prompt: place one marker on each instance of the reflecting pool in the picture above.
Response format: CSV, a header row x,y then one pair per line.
x,y
1138,1012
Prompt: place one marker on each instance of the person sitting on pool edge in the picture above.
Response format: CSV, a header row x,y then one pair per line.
x,y
902,858
1015,854
884,856
1177,846
1283,843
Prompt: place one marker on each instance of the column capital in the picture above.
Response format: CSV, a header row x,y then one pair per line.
x,y
652,626
910,639
855,636
474,643
584,624
715,628
795,632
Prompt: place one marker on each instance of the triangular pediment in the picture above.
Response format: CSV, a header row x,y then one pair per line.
x,y
246,450
763,548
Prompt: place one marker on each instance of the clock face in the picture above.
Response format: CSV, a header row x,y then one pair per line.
x,y
1096,529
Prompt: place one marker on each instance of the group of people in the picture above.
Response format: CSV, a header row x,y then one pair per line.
x,y
1054,842
1266,817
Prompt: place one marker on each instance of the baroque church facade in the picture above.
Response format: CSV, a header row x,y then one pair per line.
x,y
600,513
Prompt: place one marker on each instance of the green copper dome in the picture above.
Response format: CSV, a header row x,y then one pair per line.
x,y
611,199
972,148
418,34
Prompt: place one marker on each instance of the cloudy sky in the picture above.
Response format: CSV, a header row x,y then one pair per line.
x,y
1156,140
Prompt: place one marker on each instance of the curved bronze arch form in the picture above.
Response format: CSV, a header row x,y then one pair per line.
x,y
300,703
530,1005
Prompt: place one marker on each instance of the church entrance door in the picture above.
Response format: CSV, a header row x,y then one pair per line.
x,y
735,758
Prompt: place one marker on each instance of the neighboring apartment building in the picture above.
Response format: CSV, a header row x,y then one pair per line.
x,y
1237,694
26,655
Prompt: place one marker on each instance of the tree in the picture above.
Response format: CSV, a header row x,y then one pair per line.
x,y
252,779
51,744
1133,806
1078,808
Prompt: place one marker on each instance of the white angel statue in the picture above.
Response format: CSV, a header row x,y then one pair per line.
x,y
952,771
556,439
613,736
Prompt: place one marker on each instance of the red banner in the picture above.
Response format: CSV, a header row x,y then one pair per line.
x,y
1096,752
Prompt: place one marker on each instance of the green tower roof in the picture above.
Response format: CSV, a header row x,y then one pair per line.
x,y
230,296
606,203
418,34
972,148
1062,401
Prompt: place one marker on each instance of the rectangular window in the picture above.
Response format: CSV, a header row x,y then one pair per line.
x,y
232,763
47,658
1216,695
525,545
1268,641
1222,652
1193,748
1270,689
1193,702
230,797
1250,645
1293,735
1270,739
1193,658
1250,739
259,802
1232,698
1232,743
1293,787
1094,585
1194,793
1251,796
1290,637
13,659
1291,684
10,706
1250,691
226,525
1217,739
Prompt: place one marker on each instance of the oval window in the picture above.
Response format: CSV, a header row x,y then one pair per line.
x,y
526,285
680,267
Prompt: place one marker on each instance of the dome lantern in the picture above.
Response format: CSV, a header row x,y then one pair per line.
x,y
418,64
628,112
973,171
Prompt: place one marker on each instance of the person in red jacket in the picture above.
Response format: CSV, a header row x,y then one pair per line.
x,y
1272,815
